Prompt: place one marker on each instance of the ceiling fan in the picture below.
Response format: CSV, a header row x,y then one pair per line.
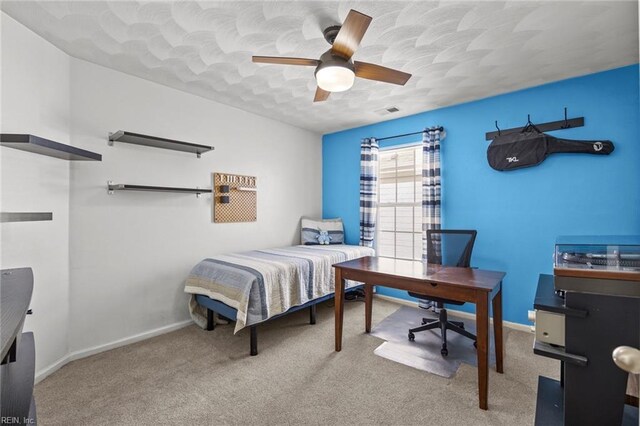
x,y
335,70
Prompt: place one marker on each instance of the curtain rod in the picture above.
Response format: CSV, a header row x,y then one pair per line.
x,y
410,134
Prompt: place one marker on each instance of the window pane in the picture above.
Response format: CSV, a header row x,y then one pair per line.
x,y
404,219
386,243
406,192
387,218
388,192
404,246
387,160
405,163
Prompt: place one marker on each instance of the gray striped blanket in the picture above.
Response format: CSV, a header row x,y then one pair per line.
x,y
260,284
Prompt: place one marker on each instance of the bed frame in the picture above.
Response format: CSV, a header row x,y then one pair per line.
x,y
226,311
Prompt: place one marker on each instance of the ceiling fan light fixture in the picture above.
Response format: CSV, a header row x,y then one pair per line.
x,y
335,69
335,78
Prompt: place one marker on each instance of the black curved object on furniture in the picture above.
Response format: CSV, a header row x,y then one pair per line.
x,y
449,247
17,369
16,287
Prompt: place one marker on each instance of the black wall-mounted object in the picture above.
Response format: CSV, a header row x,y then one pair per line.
x,y
529,146
42,146
111,187
519,150
224,189
157,142
25,216
224,199
567,123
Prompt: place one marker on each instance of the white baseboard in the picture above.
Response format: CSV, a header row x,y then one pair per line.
x,y
42,374
455,313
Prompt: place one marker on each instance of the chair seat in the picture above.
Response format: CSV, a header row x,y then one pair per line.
x,y
435,299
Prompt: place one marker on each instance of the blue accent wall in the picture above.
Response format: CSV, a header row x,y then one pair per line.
x,y
518,214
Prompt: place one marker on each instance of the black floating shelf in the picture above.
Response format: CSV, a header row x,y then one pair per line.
x,y
38,145
128,187
156,142
25,216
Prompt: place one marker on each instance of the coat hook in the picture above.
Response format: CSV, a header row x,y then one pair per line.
x,y
566,124
499,133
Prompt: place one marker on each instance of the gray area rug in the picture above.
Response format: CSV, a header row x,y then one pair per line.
x,y
424,352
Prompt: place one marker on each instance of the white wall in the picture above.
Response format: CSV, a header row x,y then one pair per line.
x,y
131,251
35,99
116,268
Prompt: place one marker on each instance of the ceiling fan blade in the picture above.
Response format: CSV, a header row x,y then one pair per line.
x,y
285,61
321,95
351,33
380,73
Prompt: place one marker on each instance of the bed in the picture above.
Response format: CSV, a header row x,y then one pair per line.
x,y
257,286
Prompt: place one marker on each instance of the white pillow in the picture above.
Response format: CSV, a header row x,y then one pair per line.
x,y
310,230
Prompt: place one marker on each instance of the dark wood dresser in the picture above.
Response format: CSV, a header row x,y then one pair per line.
x,y
17,405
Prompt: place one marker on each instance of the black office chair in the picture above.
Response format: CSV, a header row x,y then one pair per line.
x,y
449,248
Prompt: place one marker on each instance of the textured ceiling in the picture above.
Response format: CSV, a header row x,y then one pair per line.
x,y
456,51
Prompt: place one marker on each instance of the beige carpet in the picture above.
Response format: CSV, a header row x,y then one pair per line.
x,y
192,376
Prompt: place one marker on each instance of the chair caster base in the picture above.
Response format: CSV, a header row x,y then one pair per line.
x,y
412,337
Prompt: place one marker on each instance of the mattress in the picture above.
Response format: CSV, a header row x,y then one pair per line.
x,y
261,284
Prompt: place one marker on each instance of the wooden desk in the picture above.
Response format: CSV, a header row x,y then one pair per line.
x,y
460,284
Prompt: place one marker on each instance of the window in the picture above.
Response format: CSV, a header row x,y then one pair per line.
x,y
399,230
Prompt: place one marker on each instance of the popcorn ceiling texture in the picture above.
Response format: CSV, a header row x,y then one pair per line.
x,y
456,51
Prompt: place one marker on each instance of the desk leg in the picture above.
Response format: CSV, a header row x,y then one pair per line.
x,y
482,323
497,330
339,302
368,305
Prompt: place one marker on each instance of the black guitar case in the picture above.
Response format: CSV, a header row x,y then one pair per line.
x,y
530,147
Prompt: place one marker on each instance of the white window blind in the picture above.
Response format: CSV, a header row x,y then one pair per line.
x,y
399,230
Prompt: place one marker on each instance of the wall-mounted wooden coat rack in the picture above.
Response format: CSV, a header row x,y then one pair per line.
x,y
567,123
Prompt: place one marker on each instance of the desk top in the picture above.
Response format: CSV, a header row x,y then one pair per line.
x,y
476,279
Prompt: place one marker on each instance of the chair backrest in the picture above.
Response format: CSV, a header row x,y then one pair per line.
x,y
450,247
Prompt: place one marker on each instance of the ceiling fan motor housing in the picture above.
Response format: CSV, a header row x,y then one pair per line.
x,y
330,33
328,59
